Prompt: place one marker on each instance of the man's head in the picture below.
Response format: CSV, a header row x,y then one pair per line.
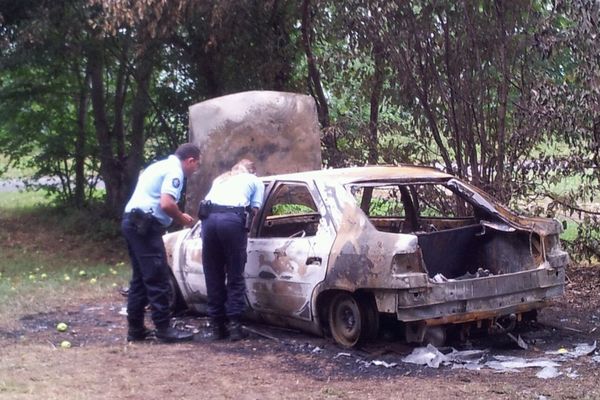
x,y
189,154
244,165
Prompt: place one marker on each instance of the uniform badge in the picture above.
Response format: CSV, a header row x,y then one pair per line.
x,y
176,182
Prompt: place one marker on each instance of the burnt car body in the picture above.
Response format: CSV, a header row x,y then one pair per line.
x,y
333,251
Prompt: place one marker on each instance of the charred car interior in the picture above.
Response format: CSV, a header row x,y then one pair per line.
x,y
457,240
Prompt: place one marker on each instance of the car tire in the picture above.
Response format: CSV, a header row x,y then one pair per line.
x,y
175,299
369,308
352,320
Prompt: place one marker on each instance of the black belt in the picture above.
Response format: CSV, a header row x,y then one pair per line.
x,y
215,208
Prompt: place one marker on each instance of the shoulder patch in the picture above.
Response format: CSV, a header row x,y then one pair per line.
x,y
176,182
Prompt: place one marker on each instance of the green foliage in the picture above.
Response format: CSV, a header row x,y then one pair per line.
x,y
386,208
291,209
503,94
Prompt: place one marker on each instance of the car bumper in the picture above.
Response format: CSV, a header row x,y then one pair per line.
x,y
480,298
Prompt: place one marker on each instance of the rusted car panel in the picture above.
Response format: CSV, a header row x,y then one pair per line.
x,y
333,250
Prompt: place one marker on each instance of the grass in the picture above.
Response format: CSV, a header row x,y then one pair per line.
x,y
15,203
51,256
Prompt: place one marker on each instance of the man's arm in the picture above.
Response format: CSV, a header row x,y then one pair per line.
x,y
169,206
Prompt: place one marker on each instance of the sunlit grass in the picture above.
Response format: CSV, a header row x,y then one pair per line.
x,y
21,201
36,291
50,258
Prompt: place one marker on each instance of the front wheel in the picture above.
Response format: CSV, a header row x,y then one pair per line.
x,y
176,303
351,321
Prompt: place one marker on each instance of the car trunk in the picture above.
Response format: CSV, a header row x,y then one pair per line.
x,y
476,250
479,272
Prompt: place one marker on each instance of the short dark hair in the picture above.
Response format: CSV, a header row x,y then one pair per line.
x,y
187,150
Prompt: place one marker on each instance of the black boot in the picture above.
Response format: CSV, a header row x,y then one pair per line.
x,y
216,330
236,330
138,334
171,335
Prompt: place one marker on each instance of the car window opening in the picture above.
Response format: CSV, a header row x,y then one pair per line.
x,y
456,237
291,212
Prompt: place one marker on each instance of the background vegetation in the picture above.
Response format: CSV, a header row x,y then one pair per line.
x,y
504,94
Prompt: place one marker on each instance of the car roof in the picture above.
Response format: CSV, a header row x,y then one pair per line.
x,y
369,173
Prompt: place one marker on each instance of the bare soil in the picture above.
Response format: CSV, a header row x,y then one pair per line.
x,y
272,363
276,363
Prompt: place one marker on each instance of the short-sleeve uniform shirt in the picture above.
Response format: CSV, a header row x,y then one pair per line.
x,y
162,177
237,190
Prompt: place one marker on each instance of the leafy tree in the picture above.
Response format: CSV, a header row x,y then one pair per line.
x,y
44,96
568,103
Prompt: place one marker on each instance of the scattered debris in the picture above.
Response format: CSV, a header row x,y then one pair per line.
x,y
342,355
429,356
474,360
513,364
581,349
383,363
377,363
548,373
518,340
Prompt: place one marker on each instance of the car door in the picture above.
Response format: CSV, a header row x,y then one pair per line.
x,y
288,255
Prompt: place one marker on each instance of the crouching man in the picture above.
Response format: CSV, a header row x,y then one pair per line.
x,y
151,209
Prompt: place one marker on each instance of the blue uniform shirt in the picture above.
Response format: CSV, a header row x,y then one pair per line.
x,y
237,190
162,177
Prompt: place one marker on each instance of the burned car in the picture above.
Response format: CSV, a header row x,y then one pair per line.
x,y
336,251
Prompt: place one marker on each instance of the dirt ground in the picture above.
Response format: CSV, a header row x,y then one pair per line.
x,y
276,363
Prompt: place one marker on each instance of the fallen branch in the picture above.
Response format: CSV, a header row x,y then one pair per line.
x,y
259,333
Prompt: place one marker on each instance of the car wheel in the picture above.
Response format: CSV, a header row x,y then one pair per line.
x,y
350,322
369,308
175,299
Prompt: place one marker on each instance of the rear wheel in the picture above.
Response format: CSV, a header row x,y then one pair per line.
x,y
367,303
352,319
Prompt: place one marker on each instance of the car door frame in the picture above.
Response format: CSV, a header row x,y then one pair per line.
x,y
283,272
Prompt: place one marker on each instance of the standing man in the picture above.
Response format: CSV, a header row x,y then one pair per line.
x,y
151,209
235,198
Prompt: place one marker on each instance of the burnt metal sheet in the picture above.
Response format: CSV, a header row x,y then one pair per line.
x,y
277,130
361,256
542,226
458,301
372,174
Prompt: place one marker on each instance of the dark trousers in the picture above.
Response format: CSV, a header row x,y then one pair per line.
x,y
150,275
224,240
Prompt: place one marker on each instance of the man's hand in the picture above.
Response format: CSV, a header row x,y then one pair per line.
x,y
169,206
186,220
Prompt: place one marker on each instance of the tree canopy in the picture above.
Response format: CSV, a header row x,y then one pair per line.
x,y
504,94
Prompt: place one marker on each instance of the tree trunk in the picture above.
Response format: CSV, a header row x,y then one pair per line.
x,y
109,169
502,105
378,78
137,138
313,72
80,143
